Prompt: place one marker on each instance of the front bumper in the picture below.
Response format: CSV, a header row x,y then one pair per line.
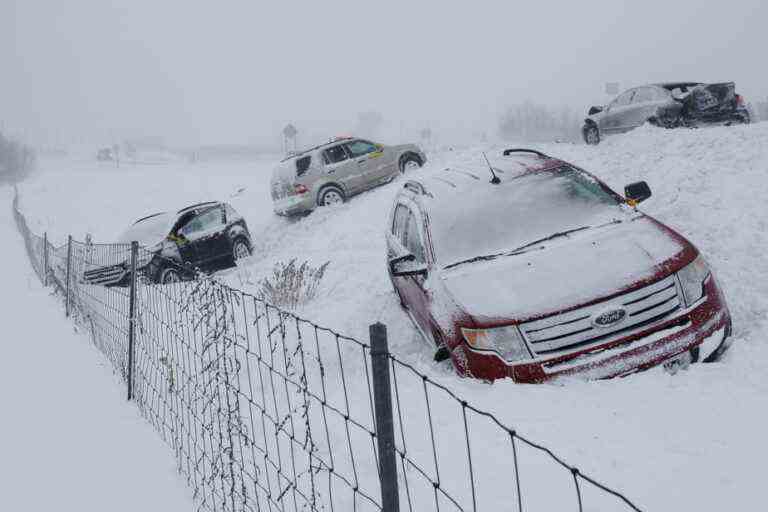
x,y
701,329
295,204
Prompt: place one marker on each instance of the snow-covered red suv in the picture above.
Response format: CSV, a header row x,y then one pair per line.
x,y
534,269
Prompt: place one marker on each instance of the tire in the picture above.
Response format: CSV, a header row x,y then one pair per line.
x,y
240,249
330,196
442,352
168,275
409,163
591,134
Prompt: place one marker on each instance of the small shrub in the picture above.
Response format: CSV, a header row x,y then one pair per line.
x,y
292,285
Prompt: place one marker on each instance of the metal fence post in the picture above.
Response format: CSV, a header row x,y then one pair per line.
x,y
385,427
69,272
45,259
132,316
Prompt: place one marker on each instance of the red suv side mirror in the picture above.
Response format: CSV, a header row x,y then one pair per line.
x,y
404,266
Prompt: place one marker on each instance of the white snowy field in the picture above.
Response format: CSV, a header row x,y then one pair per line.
x,y
68,438
692,441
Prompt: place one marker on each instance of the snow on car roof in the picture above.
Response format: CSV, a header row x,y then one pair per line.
x,y
675,85
450,180
198,205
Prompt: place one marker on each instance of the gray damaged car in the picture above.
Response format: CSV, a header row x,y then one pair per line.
x,y
332,173
669,105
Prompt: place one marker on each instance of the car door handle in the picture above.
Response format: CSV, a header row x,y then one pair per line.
x,y
331,171
360,162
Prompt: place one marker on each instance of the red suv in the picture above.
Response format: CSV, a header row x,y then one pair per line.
x,y
532,268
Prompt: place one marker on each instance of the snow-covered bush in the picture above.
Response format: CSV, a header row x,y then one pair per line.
x,y
291,284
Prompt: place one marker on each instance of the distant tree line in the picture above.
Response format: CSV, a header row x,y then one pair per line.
x,y
533,122
16,159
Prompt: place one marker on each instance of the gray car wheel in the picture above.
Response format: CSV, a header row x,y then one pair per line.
x,y
330,196
591,135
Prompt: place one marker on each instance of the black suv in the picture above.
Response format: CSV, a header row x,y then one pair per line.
x,y
174,246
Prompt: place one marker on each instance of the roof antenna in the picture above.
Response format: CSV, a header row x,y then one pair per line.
x,y
495,180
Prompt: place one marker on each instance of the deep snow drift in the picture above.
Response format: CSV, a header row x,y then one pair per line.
x,y
69,440
693,441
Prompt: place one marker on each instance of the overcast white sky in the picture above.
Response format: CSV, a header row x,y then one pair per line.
x,y
237,71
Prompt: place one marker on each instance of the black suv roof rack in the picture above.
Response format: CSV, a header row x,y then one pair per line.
x,y
508,152
198,205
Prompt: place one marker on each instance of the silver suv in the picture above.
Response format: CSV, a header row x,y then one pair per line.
x,y
331,173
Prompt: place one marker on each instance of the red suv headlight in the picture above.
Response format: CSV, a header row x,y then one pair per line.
x,y
506,341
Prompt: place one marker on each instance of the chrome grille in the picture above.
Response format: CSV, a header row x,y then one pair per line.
x,y
105,275
561,333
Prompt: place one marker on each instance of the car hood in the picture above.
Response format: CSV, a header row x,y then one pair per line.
x,y
596,117
568,272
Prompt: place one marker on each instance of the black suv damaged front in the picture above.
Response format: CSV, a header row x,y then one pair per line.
x,y
205,237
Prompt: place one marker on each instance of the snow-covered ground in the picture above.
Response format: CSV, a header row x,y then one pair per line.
x,y
68,438
693,441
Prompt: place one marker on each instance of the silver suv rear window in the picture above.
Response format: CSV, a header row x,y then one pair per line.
x,y
302,164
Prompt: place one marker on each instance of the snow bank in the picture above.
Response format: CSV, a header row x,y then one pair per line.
x,y
69,439
693,441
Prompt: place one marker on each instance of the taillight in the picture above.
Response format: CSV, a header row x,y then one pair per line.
x,y
739,99
300,189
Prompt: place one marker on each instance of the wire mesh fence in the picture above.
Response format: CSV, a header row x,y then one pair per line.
x,y
266,411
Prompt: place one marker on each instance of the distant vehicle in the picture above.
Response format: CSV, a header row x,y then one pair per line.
x,y
203,237
670,105
332,173
546,272
104,155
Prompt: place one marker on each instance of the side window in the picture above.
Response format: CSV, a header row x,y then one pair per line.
x,y
360,148
335,154
399,222
203,223
413,239
641,95
302,164
624,99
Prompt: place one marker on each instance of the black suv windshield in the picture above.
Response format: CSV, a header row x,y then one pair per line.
x,y
497,219
149,230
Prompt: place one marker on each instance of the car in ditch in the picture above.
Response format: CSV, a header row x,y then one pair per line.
x,y
534,269
669,105
332,173
175,246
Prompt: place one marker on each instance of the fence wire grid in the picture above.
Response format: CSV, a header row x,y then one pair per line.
x,y
266,411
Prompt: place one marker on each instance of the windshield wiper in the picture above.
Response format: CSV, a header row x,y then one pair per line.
x,y
524,248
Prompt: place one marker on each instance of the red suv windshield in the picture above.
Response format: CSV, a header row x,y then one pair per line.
x,y
492,220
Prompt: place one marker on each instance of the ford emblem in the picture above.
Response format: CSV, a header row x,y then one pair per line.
x,y
609,317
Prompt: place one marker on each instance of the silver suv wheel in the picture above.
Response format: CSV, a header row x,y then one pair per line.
x,y
409,164
331,196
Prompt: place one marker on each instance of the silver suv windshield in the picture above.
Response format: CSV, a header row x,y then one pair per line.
x,y
510,218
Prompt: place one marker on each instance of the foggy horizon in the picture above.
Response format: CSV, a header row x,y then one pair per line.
x,y
92,71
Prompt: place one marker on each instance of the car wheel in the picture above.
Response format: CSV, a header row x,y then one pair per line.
x,y
591,135
330,196
169,275
442,352
409,163
240,249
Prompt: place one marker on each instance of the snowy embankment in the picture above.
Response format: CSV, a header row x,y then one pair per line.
x,y
69,440
693,441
